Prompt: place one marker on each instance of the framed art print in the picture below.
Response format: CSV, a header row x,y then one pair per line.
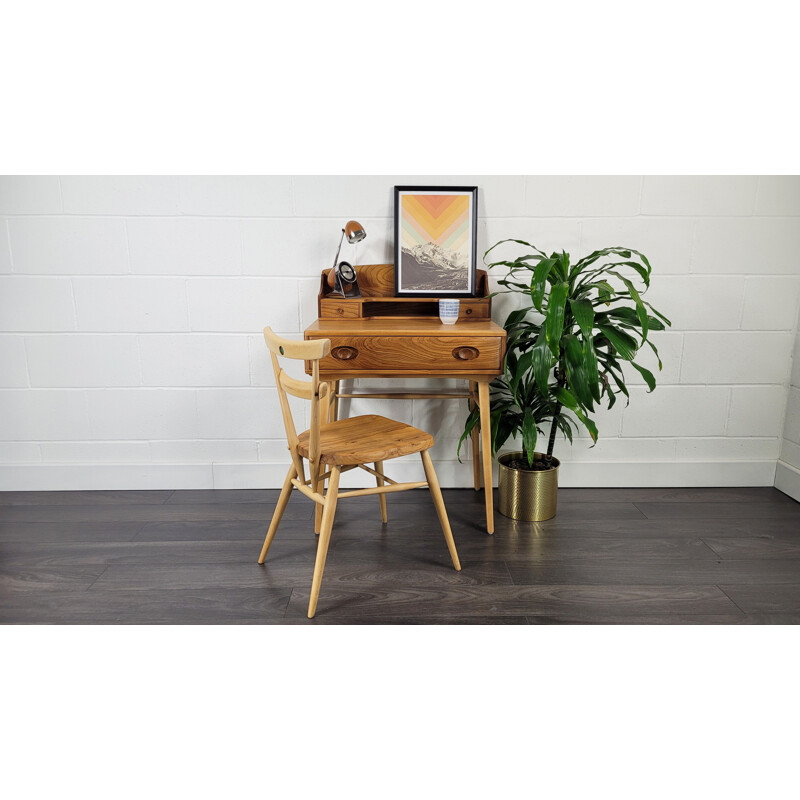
x,y
435,240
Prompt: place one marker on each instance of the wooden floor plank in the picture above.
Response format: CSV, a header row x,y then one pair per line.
x,y
514,600
736,511
727,494
590,616
214,531
555,549
782,546
150,513
30,579
321,619
184,497
684,571
128,577
164,607
83,498
41,555
61,532
765,598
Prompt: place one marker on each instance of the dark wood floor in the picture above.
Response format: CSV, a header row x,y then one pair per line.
x,y
618,556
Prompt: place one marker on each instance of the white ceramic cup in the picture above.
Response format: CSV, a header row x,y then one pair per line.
x,y
448,310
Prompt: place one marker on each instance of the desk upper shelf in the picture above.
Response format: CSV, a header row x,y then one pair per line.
x,y
376,282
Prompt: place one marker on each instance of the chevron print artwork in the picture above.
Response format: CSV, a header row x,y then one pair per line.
x,y
435,232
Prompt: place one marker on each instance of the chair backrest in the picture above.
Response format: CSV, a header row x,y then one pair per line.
x,y
312,350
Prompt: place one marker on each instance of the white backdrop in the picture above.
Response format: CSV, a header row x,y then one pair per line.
x,y
131,311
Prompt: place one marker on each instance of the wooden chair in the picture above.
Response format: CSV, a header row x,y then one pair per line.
x,y
338,447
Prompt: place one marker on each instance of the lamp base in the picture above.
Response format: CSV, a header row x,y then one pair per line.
x,y
345,289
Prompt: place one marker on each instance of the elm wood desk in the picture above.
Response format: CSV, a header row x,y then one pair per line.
x,y
391,346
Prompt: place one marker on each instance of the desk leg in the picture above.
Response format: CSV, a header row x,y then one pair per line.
x,y
335,416
486,451
475,440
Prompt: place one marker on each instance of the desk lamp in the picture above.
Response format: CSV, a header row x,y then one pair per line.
x,y
342,276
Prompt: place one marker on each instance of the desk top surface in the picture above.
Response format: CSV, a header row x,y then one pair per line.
x,y
392,326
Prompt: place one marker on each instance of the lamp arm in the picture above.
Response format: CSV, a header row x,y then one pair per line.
x,y
338,250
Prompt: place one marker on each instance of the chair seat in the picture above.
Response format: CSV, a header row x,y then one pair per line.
x,y
360,440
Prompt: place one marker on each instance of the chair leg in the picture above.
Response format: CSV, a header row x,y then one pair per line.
x,y
324,539
381,497
285,494
318,486
438,501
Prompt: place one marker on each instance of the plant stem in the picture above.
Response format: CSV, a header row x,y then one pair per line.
x,y
561,377
552,441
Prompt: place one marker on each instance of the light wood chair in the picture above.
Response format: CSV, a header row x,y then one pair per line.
x,y
335,447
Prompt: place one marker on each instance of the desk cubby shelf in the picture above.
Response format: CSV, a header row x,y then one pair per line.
x,y
376,282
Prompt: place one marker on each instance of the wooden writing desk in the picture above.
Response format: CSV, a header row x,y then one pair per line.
x,y
382,336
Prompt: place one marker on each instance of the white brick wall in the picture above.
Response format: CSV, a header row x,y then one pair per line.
x,y
131,310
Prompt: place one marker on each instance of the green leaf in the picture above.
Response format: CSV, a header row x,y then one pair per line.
x,y
516,241
646,374
579,384
543,363
612,398
539,281
640,309
494,421
511,360
624,252
472,420
605,291
513,285
624,345
654,349
577,374
567,399
523,365
590,367
554,320
583,312
630,318
643,273
573,349
529,436
658,314
506,426
517,316
562,264
621,386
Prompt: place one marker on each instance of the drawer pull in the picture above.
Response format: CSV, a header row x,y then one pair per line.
x,y
465,353
344,353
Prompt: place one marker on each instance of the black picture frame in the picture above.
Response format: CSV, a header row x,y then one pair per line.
x,y
443,253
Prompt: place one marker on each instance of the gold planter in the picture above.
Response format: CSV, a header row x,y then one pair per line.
x,y
527,496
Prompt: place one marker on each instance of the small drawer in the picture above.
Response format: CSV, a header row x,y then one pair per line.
x,y
339,308
414,353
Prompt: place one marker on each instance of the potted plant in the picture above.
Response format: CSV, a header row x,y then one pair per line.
x,y
564,354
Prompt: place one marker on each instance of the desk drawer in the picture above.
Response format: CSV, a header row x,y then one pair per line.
x,y
414,353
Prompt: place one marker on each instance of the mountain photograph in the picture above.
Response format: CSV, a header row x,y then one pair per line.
x,y
429,267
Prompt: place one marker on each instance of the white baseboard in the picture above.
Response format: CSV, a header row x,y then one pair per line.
x,y
787,479
42,477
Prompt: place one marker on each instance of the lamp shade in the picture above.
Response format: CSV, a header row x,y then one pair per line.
x,y
354,232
